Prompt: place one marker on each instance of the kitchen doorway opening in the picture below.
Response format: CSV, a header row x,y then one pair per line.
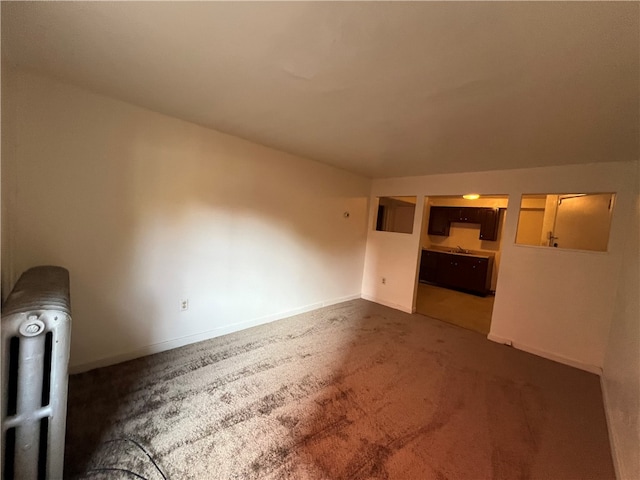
x,y
461,244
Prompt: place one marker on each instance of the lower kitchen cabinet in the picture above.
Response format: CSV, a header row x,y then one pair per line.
x,y
458,271
428,266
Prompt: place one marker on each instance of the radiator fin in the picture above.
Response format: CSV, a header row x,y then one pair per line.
x,y
43,449
10,450
12,387
46,374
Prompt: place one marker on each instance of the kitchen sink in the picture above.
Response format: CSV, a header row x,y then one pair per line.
x,y
460,250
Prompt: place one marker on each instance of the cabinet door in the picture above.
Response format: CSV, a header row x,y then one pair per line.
x,y
439,221
455,214
464,273
473,273
489,220
448,274
471,214
429,266
464,214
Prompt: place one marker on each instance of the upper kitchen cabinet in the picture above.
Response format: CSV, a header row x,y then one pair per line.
x,y
465,214
489,220
439,221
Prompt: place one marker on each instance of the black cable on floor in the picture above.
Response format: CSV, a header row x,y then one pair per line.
x,y
113,469
126,439
116,469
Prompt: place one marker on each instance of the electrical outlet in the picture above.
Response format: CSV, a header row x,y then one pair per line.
x,y
184,304
384,281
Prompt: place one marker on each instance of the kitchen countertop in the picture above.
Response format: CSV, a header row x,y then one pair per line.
x,y
451,251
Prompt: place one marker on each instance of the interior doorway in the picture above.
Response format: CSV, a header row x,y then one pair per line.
x,y
461,244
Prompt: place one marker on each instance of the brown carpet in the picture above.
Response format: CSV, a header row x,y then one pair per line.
x,y
352,391
463,309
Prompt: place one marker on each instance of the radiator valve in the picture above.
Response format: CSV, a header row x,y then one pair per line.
x,y
31,327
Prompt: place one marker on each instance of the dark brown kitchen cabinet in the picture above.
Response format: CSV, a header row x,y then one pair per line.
x,y
439,221
428,266
469,273
464,214
448,272
489,220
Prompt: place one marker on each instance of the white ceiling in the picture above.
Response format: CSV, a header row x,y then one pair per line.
x,y
381,88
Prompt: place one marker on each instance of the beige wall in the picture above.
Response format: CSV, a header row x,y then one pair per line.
x,y
7,150
531,219
583,222
552,302
145,210
530,226
621,371
550,209
458,201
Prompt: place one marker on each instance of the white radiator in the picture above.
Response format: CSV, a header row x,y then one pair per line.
x,y
36,330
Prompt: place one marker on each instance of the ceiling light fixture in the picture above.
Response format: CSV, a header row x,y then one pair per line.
x,y
471,196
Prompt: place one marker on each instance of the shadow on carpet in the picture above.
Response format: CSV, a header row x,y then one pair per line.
x,y
351,391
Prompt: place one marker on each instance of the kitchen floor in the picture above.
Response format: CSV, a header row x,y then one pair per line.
x,y
462,309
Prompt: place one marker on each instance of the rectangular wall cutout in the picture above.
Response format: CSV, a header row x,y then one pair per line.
x,y
577,221
396,214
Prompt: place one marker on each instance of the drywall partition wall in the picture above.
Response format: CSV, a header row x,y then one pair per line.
x,y
391,257
146,210
552,302
621,371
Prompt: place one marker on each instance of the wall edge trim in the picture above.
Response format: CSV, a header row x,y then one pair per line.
x,y
548,355
380,301
612,437
199,337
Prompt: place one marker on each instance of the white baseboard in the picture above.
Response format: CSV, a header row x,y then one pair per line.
x,y
395,306
544,354
198,337
612,436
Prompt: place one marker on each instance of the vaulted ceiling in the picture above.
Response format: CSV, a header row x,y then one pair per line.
x,y
378,88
